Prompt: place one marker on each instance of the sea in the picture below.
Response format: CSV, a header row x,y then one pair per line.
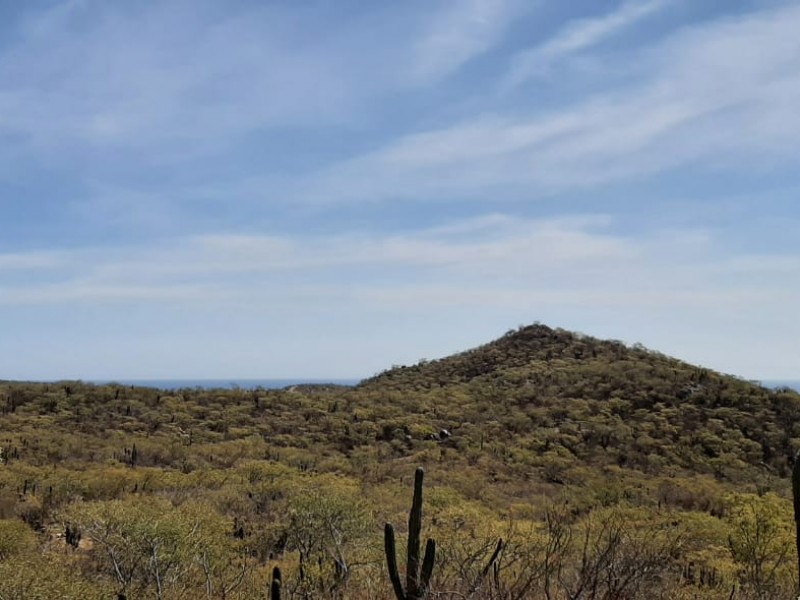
x,y
225,384
778,383
252,384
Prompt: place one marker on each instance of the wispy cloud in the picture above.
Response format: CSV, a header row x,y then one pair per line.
x,y
700,96
559,269
570,255
180,80
484,245
239,263
461,31
20,261
577,36
176,79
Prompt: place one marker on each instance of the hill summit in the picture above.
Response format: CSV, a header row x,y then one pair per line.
x,y
647,409
540,353
531,346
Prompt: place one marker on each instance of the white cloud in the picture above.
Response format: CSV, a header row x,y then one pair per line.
x,y
499,258
36,260
577,36
174,79
487,245
86,292
702,96
463,30
492,272
494,245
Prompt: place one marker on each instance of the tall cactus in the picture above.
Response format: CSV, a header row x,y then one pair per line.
x,y
796,494
417,579
275,588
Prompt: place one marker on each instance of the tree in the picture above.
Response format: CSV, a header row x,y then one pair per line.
x,y
149,545
761,541
329,520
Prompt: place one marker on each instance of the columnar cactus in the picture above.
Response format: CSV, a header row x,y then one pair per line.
x,y
418,578
275,588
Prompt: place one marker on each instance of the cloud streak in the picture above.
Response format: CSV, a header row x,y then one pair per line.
x,y
460,32
542,260
177,80
699,97
577,36
506,269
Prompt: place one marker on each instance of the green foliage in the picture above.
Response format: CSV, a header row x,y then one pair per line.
x,y
151,546
15,538
329,526
760,542
552,435
48,576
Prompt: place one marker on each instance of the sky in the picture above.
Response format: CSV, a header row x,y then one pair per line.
x,y
256,189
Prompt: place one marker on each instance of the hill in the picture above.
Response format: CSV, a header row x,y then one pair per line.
x,y
602,399
538,432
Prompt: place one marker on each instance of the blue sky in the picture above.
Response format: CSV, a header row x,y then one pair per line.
x,y
325,189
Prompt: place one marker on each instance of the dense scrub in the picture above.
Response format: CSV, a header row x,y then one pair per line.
x,y
610,472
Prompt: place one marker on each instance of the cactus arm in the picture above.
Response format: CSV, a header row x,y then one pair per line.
x,y
427,567
492,560
391,561
414,528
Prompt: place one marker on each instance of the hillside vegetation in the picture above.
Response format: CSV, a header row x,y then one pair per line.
x,y
610,472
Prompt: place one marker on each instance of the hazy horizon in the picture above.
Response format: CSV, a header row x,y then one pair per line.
x,y
255,382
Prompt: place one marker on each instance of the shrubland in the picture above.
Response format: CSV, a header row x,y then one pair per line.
x,y
608,472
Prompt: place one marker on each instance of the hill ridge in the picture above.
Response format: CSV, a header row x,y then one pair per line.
x,y
527,345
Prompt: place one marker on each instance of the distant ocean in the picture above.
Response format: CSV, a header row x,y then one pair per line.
x,y
226,384
251,384
776,383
